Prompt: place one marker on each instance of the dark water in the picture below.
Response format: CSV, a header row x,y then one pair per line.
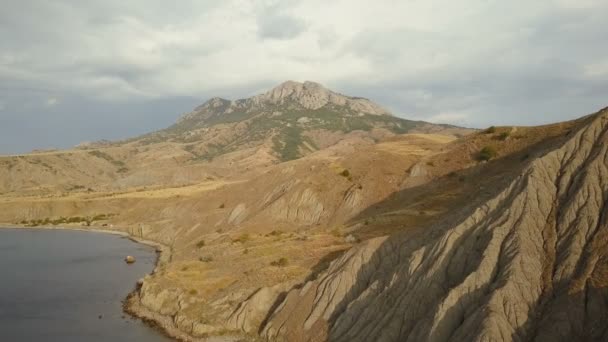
x,y
55,284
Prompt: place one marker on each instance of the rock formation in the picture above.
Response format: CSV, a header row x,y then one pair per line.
x,y
531,264
290,94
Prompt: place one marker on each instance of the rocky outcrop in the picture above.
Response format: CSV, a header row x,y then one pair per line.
x,y
238,214
288,95
251,313
531,264
311,95
300,207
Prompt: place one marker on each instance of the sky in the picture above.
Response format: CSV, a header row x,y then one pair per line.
x,y
84,70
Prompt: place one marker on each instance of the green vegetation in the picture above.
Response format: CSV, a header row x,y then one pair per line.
x,y
487,153
503,136
287,128
282,262
243,238
88,220
287,144
490,130
200,244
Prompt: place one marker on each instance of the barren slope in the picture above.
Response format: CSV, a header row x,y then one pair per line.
x,y
530,263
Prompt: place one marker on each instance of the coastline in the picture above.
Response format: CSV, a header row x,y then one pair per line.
x,y
132,303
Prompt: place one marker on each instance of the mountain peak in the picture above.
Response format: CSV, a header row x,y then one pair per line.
x,y
288,96
297,90
313,95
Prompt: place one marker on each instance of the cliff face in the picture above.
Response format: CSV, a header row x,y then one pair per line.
x,y
531,264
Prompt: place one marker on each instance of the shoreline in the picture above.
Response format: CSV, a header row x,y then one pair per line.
x,y
132,303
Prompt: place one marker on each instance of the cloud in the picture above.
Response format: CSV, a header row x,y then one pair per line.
x,y
543,62
51,102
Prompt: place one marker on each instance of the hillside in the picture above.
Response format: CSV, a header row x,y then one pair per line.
x,y
528,262
219,139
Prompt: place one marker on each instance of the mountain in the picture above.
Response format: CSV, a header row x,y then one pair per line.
x,y
286,97
218,139
287,122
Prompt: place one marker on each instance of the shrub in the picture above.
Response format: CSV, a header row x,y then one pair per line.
x,y
490,130
345,173
206,258
200,244
282,262
487,153
222,206
503,136
243,238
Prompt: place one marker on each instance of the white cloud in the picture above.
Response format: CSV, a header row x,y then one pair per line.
x,y
51,102
420,57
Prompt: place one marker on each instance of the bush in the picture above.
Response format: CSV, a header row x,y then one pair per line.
x,y
200,244
345,173
487,153
243,238
282,262
503,136
206,258
490,130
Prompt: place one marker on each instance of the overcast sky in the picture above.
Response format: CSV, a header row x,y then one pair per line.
x,y
72,71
